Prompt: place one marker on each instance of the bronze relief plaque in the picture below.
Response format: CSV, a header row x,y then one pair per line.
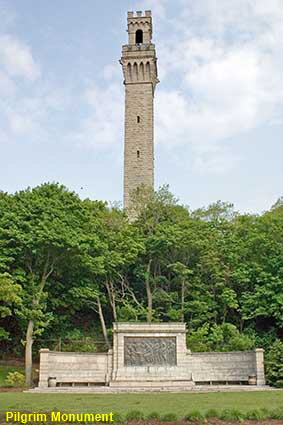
x,y
150,351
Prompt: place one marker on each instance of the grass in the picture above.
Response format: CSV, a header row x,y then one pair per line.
x,y
4,370
178,404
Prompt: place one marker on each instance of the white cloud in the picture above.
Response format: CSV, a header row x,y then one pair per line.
x,y
27,101
19,111
158,7
244,18
171,117
16,58
112,72
103,125
7,86
226,62
224,59
220,65
179,122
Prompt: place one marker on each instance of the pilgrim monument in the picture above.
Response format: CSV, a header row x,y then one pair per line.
x,y
144,356
140,78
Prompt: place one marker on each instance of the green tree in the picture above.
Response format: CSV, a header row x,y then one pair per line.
x,y
217,211
43,229
274,364
10,297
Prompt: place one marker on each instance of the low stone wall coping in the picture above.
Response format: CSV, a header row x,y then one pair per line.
x,y
216,353
149,327
76,353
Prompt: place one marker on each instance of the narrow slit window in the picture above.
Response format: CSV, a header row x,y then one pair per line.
x,y
138,153
138,119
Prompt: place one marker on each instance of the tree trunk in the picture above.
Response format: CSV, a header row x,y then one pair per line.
x,y
30,328
28,353
183,301
102,321
224,314
47,271
112,298
149,294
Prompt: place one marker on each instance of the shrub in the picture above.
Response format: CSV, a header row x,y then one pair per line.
x,y
75,340
255,415
169,417
15,379
154,416
134,415
225,337
194,415
276,414
211,413
274,364
117,418
231,415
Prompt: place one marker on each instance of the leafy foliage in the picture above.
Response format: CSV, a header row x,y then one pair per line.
x,y
224,337
72,265
274,364
15,379
134,415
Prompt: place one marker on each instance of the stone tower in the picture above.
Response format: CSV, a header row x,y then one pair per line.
x,y
140,78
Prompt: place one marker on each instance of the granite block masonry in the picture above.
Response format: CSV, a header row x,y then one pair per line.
x,y
139,64
150,356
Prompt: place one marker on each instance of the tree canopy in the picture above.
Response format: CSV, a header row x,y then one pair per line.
x,y
72,267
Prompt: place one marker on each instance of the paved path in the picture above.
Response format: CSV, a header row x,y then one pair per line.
x,y
116,390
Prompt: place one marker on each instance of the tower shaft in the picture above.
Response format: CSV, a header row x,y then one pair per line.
x,y
140,78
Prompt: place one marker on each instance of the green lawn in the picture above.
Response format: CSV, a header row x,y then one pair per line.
x,y
180,404
4,370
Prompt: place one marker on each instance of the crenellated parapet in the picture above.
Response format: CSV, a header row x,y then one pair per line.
x,y
138,21
138,56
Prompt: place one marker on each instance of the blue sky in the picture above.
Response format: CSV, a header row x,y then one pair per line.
x,y
218,107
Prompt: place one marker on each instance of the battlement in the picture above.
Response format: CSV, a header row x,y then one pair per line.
x,y
139,27
139,14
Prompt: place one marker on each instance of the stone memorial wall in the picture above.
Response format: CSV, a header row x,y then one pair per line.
x,y
152,356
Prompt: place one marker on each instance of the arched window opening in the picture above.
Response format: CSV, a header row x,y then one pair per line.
x,y
142,70
138,153
129,67
147,70
139,36
138,119
135,73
